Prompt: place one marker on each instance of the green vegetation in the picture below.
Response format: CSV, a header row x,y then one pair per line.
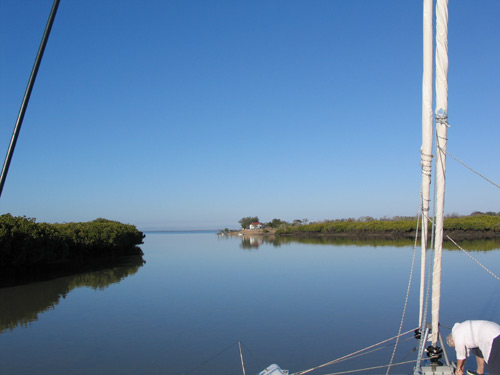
x,y
480,222
276,223
246,221
28,248
482,225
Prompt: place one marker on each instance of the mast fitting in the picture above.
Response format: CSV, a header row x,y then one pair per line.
x,y
434,353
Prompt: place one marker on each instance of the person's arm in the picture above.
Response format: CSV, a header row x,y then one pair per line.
x,y
460,367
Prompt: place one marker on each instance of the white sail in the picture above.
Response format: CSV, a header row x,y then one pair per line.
x,y
441,140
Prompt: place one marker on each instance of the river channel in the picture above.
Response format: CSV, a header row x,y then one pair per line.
x,y
295,303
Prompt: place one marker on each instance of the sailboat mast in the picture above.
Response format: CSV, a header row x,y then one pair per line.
x,y
426,150
441,143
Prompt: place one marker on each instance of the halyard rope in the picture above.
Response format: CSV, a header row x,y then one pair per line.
x,y
351,355
474,259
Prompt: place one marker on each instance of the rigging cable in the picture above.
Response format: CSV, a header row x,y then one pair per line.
x,y
471,169
474,259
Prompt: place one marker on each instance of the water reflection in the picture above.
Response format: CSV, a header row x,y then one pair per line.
x,y
296,304
254,242
251,243
21,305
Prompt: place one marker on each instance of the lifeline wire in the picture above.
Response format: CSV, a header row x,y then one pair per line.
x,y
350,355
371,351
369,368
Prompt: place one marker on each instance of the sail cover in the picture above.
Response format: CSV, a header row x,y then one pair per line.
x,y
441,139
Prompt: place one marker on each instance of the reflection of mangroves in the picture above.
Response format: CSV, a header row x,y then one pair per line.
x,y
20,305
469,245
29,249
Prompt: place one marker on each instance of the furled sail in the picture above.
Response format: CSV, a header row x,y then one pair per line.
x,y
426,150
441,140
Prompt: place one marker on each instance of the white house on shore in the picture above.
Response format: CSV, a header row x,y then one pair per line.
x,y
256,225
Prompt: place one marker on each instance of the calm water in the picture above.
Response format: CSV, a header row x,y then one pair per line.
x,y
296,304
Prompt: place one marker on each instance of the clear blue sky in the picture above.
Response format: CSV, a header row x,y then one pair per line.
x,y
194,114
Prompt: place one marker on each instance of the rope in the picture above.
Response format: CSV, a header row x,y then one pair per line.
x,y
407,296
369,368
350,355
369,351
474,259
426,163
442,118
471,169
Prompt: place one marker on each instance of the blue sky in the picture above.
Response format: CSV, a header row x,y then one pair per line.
x,y
194,114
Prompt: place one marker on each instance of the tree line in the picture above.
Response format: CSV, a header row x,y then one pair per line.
x,y
487,223
28,247
482,225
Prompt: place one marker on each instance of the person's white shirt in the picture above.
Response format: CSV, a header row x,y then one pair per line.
x,y
474,334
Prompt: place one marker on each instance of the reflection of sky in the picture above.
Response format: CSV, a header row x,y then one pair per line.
x,y
298,305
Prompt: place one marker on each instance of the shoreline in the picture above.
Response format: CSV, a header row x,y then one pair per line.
x,y
272,232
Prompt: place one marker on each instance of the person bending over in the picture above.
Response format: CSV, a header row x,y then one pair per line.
x,y
480,337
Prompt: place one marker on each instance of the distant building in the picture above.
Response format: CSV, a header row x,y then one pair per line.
x,y
256,225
